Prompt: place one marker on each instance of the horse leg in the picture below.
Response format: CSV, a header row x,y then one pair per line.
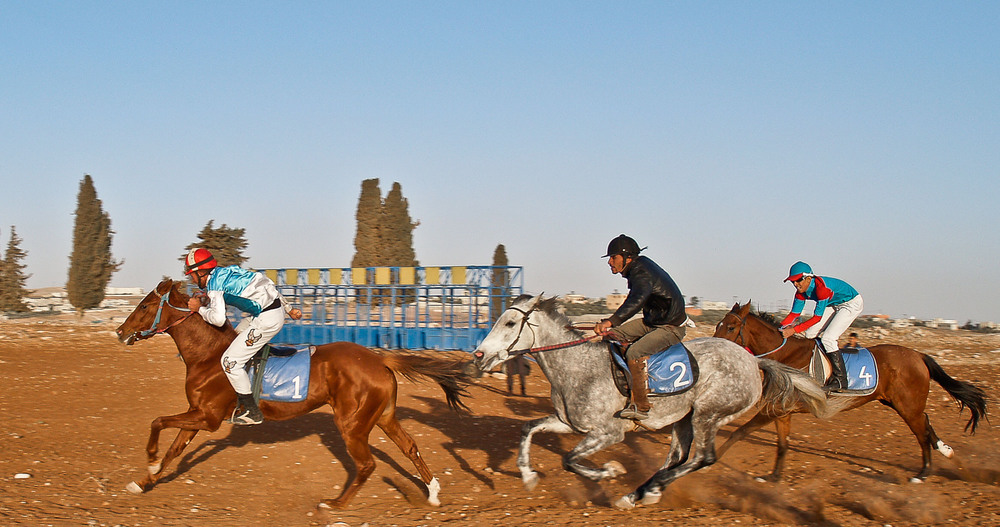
x,y
595,441
921,428
782,427
591,443
696,437
408,447
189,423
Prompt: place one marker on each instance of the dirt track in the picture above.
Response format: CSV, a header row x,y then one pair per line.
x,y
76,406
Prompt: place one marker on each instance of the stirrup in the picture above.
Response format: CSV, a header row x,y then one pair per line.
x,y
632,411
246,418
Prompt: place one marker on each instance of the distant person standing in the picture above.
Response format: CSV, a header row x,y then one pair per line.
x,y
654,293
516,366
852,341
837,305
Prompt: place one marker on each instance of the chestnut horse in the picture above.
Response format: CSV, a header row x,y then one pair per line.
x,y
903,383
357,383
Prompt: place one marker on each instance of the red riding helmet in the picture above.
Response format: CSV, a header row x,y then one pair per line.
x,y
199,259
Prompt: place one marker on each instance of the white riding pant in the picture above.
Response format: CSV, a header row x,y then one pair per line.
x,y
835,321
251,335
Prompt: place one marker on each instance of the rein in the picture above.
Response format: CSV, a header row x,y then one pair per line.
x,y
739,335
153,330
524,322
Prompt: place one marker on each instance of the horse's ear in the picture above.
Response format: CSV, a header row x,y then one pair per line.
x,y
745,310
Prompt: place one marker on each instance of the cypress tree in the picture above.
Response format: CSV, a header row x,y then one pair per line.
x,y
500,289
12,277
367,239
91,262
397,231
225,243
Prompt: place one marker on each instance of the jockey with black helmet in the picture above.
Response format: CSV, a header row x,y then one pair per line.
x,y
654,293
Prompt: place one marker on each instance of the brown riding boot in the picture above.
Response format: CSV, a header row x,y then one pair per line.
x,y
638,406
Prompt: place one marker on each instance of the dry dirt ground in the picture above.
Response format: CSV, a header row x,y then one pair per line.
x,y
75,409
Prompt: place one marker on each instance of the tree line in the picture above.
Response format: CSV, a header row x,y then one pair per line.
x,y
384,238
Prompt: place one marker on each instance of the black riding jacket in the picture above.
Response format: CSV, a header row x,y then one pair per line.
x,y
653,291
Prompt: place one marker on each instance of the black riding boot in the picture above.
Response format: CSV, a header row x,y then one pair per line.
x,y
247,412
638,406
838,375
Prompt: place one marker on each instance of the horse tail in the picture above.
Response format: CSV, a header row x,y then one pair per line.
x,y
785,387
967,394
448,373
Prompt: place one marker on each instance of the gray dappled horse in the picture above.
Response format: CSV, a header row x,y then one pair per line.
x,y
585,396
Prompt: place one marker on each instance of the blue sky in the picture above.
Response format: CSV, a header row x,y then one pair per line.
x,y
732,138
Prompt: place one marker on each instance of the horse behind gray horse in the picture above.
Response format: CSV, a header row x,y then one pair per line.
x,y
585,396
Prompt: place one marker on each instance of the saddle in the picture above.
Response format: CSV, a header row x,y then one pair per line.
x,y
671,371
280,373
862,370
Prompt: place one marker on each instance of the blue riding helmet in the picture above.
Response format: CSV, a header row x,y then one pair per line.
x,y
797,270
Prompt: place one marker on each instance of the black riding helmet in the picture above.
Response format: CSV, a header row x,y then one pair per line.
x,y
624,246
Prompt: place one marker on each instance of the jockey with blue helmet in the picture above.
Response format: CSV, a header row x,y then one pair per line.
x,y
837,305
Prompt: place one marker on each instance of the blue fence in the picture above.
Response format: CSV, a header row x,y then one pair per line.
x,y
446,308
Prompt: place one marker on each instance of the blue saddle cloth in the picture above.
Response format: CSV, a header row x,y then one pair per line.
x,y
286,374
671,371
862,372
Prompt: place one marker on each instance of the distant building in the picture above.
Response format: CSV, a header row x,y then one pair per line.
x,y
614,300
573,298
942,323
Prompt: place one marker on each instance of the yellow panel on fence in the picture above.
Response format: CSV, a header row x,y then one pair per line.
x,y
336,275
312,276
358,275
432,276
272,274
458,275
407,275
383,275
291,277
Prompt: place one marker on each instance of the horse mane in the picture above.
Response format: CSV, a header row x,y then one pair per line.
x,y
550,306
768,318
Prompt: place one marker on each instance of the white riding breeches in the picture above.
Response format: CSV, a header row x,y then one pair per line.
x,y
835,321
251,335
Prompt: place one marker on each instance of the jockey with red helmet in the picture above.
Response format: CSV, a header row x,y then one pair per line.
x,y
255,295
837,305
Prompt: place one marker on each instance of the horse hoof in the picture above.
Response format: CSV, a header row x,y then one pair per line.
x,y
625,503
945,450
154,468
530,481
133,488
614,469
433,488
652,498
916,480
330,504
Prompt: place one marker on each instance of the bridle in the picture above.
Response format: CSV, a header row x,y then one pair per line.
x,y
153,330
526,323
740,336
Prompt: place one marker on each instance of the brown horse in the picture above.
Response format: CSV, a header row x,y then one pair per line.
x,y
903,383
358,384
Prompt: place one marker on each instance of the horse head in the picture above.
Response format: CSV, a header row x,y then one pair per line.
x,y
513,331
163,307
731,326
